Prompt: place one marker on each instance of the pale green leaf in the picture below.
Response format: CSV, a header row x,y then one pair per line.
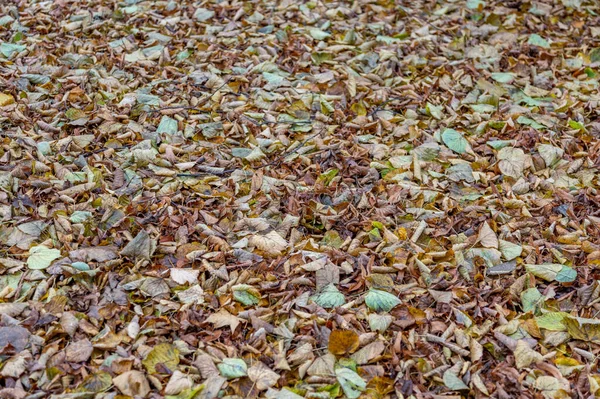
x,y
455,141
537,40
167,125
381,301
351,382
503,77
531,299
231,368
330,297
453,382
40,257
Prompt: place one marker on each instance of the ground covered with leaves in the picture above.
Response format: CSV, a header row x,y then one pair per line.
x,y
299,199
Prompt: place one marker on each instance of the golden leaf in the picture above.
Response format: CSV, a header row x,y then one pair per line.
x,y
343,342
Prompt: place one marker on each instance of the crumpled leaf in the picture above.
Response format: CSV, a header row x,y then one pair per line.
x,y
162,354
142,246
262,376
525,356
343,342
233,368
132,383
511,161
351,382
271,243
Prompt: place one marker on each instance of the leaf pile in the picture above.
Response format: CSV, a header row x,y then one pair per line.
x,y
299,199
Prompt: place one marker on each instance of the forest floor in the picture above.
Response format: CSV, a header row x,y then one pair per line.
x,y
299,199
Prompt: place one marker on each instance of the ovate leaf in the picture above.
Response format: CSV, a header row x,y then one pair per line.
x,y
330,297
512,161
552,272
453,382
343,342
40,257
552,321
246,294
167,125
537,40
531,299
455,141
380,322
351,382
164,354
231,368
381,301
509,250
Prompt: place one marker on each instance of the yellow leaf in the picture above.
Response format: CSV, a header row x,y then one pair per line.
x,y
342,342
164,354
6,99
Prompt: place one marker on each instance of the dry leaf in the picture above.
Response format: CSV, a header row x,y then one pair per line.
x,y
343,342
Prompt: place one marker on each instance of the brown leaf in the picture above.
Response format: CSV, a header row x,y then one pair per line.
x,y
343,342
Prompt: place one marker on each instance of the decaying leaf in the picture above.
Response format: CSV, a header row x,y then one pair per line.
x,y
287,199
165,355
343,342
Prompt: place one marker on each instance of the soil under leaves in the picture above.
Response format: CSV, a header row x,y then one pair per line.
x,y
299,199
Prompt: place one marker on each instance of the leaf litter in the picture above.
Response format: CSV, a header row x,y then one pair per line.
x,y
299,199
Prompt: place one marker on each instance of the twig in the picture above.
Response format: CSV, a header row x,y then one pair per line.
x,y
454,348
186,107
275,162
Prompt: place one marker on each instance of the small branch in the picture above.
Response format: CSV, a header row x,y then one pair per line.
x,y
454,348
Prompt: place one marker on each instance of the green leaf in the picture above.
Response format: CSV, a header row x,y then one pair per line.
x,y
188,393
80,216
552,272
595,54
483,108
530,122
231,368
531,299
499,144
328,176
167,125
10,49
552,321
435,111
503,77
453,382
165,354
455,141
380,322
576,125
537,40
351,382
97,382
566,275
74,114
509,250
203,14
381,301
329,297
475,4
246,294
40,257
318,34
